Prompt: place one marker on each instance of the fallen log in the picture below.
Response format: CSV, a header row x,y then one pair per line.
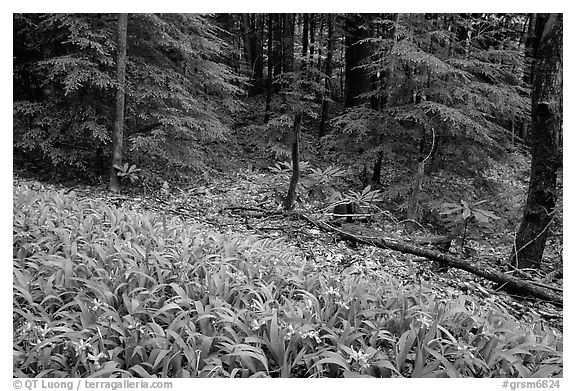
x,y
475,267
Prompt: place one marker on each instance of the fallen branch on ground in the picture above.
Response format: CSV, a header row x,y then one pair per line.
x,y
475,267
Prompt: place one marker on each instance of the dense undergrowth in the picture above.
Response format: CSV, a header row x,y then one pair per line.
x,y
104,291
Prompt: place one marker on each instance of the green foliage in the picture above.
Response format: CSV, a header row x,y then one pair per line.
x,y
435,88
179,93
467,221
365,198
320,185
100,291
127,171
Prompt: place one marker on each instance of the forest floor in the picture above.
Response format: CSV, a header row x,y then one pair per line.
x,y
245,202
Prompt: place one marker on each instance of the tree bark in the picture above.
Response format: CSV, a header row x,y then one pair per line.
x,y
546,147
413,211
118,134
328,78
312,38
358,79
252,26
385,101
478,268
377,172
290,199
259,54
530,49
304,40
288,43
277,47
270,69
320,32
288,66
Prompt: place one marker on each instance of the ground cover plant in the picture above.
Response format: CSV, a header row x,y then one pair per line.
x,y
287,195
113,292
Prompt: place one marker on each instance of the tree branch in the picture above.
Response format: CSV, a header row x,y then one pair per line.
x,y
478,268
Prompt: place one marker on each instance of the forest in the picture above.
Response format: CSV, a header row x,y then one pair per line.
x,y
288,195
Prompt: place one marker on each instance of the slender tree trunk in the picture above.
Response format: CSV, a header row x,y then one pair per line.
x,y
357,79
535,28
288,43
252,26
385,101
342,61
304,40
118,135
246,30
513,130
290,199
312,34
328,78
529,52
377,172
546,146
288,66
434,164
320,32
413,211
259,54
270,70
277,47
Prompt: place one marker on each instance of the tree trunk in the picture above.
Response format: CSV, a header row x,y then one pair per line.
x,y
385,101
288,66
304,40
530,49
377,173
328,77
277,47
246,29
413,211
118,135
546,146
478,267
524,135
320,32
357,79
270,70
259,55
290,199
252,25
312,21
288,43
342,64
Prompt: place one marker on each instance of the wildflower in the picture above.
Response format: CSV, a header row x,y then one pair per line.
x,y
360,357
332,291
134,325
34,342
81,346
311,334
255,324
96,304
103,318
96,359
28,326
424,319
308,305
290,331
44,330
465,349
